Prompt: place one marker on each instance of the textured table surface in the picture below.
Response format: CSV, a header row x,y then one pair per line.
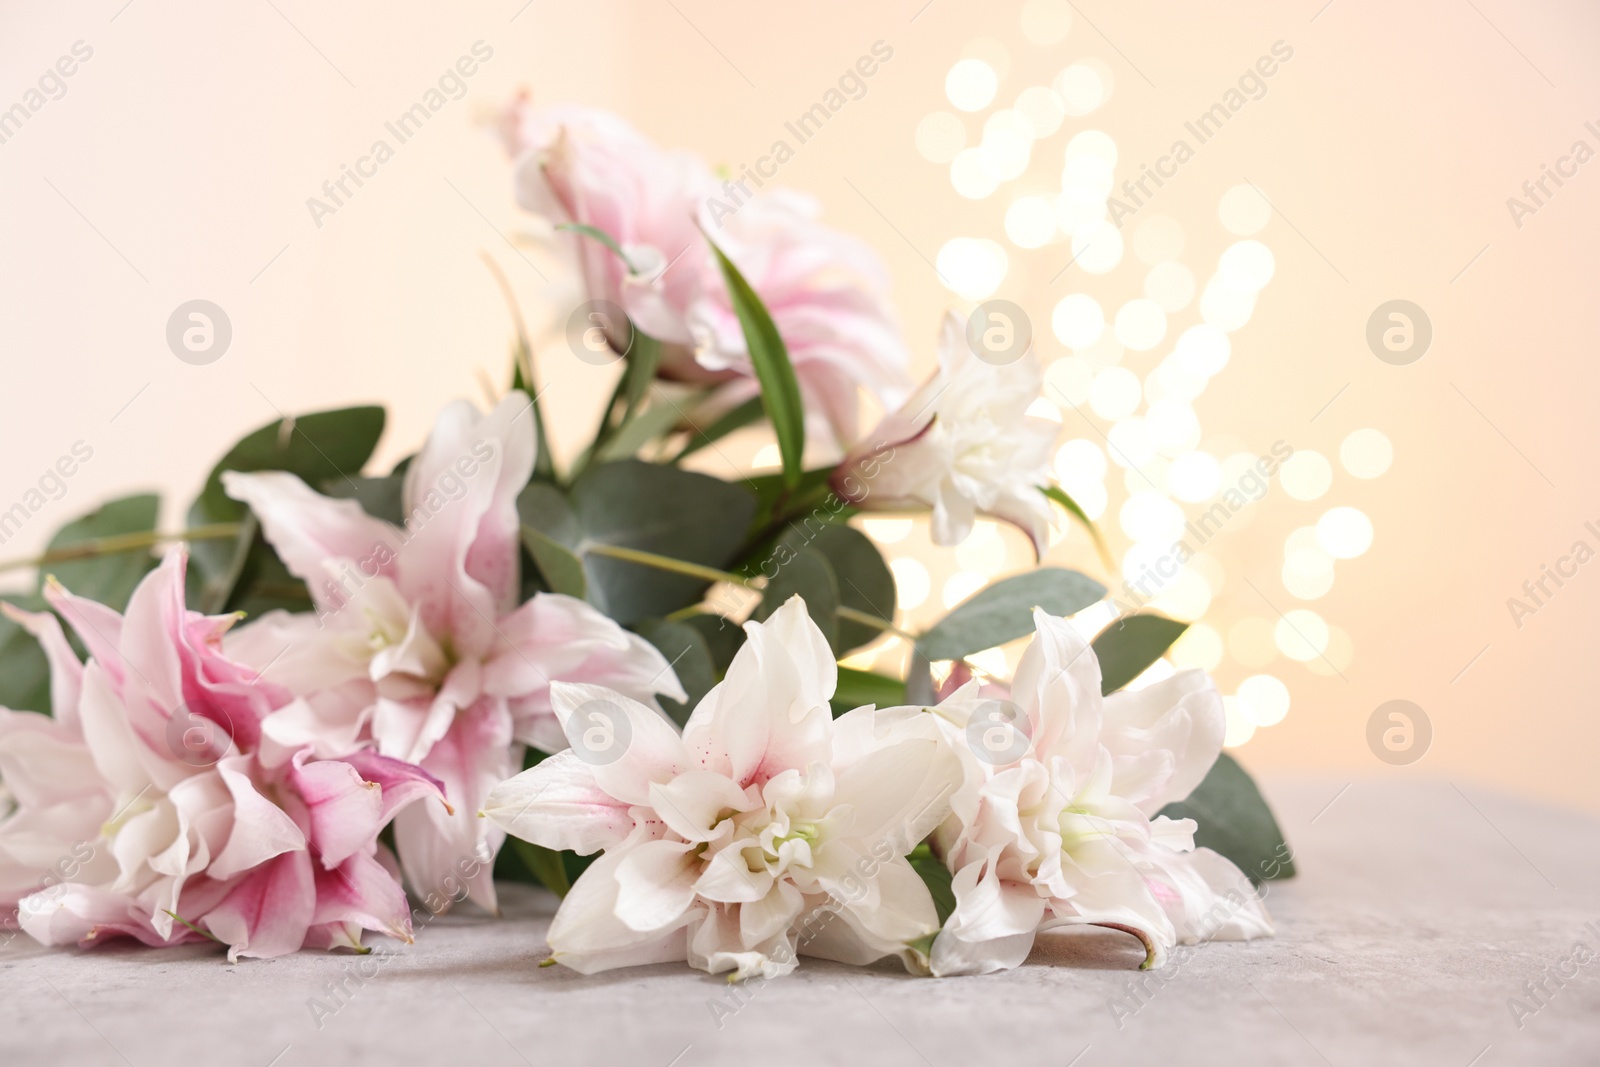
x,y
1420,912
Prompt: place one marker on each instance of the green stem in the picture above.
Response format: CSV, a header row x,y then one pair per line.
x,y
106,546
667,563
711,574
866,619
522,369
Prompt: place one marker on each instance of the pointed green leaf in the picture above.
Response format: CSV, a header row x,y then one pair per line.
x,y
544,864
936,877
595,233
1073,508
859,688
729,421
780,389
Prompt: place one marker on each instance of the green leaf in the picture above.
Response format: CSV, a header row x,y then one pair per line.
x,y
806,574
644,357
936,877
860,688
780,389
318,447
655,421
1234,820
776,500
544,465
1130,645
723,638
1073,508
729,421
109,578
379,497
862,578
647,506
545,864
599,235
560,566
690,658
1004,611
24,671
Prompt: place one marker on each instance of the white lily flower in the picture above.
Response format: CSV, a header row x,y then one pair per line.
x,y
1056,822
767,829
963,444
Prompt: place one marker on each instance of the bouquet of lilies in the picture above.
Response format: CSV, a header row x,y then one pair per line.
x,y
338,696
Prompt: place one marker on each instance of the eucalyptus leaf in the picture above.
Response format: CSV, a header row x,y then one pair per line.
x,y
723,638
1234,820
24,671
380,497
780,389
1004,611
680,514
806,574
109,577
1130,645
690,658
559,565
318,447
862,578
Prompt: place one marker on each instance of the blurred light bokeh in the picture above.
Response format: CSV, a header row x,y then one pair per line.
x,y
1195,310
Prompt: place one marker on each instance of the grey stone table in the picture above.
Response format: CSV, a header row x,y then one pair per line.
x,y
1421,911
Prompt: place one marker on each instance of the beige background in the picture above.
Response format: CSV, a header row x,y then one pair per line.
x,y
178,163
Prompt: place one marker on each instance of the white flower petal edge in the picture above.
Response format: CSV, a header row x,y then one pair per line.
x,y
962,444
767,830
1066,833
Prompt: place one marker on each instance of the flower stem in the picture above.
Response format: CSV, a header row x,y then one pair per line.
x,y
106,546
667,563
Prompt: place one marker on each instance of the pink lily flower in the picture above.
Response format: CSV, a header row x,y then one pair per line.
x,y
419,645
827,292
154,816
